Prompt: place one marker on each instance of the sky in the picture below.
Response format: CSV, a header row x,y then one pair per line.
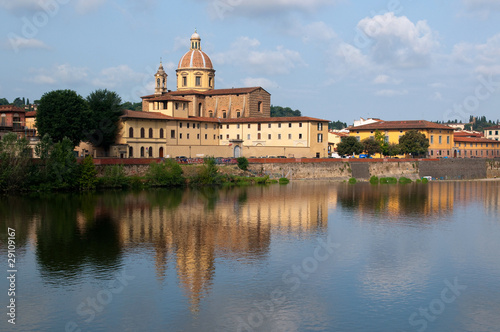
x,y
331,59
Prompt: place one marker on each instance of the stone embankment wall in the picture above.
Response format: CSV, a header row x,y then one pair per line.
x,y
445,169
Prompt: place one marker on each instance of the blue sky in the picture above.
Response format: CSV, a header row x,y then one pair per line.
x,y
332,59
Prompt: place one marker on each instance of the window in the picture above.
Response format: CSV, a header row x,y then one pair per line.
x,y
432,139
130,152
210,81
290,125
268,125
210,114
142,133
150,132
180,124
258,126
220,137
206,125
180,135
440,139
172,134
320,138
238,114
300,124
198,80
184,81
214,136
259,136
131,132
238,126
300,136
227,136
197,136
496,132
447,139
279,125
206,136
176,106
320,126
289,136
197,126
224,115
227,126
358,138
260,107
187,136
386,139
142,152
279,136
268,136
215,126
491,132
150,152
161,133
238,136
249,136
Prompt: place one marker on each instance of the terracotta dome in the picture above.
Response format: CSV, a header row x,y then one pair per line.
x,y
195,58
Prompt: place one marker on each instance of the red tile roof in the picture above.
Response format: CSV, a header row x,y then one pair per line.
x,y
159,116
195,59
11,108
210,92
493,127
169,97
410,124
474,140
273,119
468,134
31,114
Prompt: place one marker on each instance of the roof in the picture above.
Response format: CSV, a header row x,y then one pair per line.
x,y
339,134
195,59
493,127
11,108
474,140
31,114
408,124
468,134
128,114
273,119
232,91
169,97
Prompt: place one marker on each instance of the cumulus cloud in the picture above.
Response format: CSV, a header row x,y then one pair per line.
x,y
113,77
391,93
259,81
245,53
18,43
485,58
59,74
399,42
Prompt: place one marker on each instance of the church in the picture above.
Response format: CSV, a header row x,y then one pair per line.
x,y
198,120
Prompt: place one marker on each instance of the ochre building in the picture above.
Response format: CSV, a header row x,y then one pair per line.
x,y
198,120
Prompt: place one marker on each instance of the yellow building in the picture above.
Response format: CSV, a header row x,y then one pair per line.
x,y
440,136
198,120
475,145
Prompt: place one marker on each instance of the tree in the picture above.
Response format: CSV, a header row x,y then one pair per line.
x,y
15,156
18,102
88,174
4,101
63,113
337,125
132,106
106,108
349,145
392,150
381,140
278,111
414,143
371,146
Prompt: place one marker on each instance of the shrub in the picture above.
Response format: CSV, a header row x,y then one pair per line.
x,y
424,180
388,180
242,163
404,180
114,177
165,174
88,174
374,180
418,181
283,181
352,181
208,174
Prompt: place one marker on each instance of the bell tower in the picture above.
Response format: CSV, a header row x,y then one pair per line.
x,y
160,81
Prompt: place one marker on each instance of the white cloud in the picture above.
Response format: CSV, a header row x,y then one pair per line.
x,y
483,6
59,74
386,79
484,57
259,81
391,93
398,42
20,4
17,43
244,53
87,6
113,77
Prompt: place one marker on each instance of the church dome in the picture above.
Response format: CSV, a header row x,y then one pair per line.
x,y
195,57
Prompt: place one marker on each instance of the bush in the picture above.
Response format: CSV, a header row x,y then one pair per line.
x,y
15,162
352,181
389,180
114,177
165,174
418,181
424,180
374,180
403,180
209,174
242,163
283,181
88,174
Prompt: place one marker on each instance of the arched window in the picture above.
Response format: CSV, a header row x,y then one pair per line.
x,y
224,114
210,114
131,132
142,152
160,152
150,132
238,114
150,152
3,117
161,133
130,152
142,133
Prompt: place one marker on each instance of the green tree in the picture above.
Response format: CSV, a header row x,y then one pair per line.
x,y
382,141
4,101
349,145
278,111
165,174
88,174
63,113
106,107
18,102
242,163
371,146
414,143
132,106
393,150
15,159
337,125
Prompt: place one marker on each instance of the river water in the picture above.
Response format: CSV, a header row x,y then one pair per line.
x,y
309,256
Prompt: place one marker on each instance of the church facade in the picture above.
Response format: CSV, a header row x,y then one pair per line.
x,y
198,120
